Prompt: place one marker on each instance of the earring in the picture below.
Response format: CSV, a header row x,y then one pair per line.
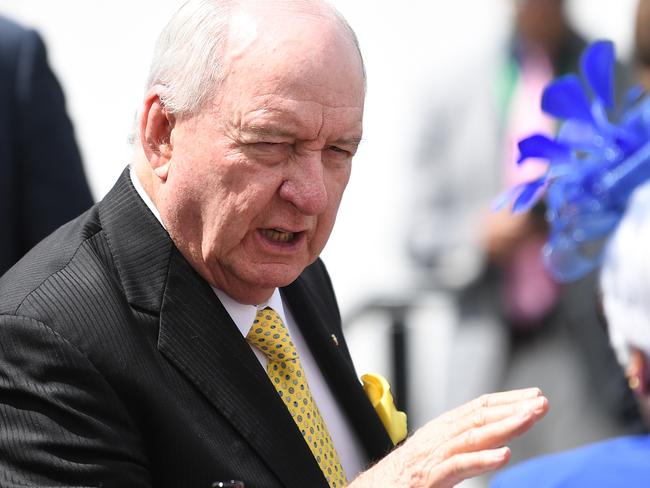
x,y
634,382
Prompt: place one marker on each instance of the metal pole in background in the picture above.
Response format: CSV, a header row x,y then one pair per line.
x,y
399,336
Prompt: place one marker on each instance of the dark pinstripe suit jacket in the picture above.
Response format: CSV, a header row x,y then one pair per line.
x,y
120,368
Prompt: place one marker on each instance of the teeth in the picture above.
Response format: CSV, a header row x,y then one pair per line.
x,y
278,235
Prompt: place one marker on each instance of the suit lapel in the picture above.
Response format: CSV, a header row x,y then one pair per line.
x,y
198,336
317,323
139,245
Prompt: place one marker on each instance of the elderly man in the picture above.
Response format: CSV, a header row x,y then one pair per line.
x,y
151,341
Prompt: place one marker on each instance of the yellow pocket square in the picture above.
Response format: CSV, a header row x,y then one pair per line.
x,y
378,391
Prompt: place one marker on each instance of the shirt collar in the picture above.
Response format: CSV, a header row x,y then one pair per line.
x,y
244,315
143,194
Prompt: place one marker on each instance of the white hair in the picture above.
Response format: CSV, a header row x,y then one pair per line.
x,y
625,278
188,57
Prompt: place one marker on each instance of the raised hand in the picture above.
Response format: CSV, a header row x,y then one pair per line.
x,y
463,443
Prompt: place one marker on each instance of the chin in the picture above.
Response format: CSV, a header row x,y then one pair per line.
x,y
277,275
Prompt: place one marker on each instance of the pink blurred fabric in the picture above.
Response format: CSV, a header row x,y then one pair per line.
x,y
525,116
530,293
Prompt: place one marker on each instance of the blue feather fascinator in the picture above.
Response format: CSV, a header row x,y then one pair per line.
x,y
595,163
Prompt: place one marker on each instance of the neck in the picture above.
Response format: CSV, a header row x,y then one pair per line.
x,y
145,176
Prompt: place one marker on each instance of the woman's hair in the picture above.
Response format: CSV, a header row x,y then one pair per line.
x,y
625,278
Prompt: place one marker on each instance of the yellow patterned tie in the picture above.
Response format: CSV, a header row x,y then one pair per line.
x,y
270,336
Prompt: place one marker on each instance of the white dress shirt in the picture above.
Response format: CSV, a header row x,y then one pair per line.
x,y
347,445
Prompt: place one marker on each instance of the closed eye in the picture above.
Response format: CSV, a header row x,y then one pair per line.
x,y
268,145
339,150
267,152
273,147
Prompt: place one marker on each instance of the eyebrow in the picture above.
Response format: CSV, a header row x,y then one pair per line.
x,y
352,141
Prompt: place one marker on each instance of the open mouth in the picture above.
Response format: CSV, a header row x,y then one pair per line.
x,y
280,236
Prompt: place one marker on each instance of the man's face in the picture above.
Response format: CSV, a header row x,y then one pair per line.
x,y
256,179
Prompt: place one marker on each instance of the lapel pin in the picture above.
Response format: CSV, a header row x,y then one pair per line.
x,y
335,340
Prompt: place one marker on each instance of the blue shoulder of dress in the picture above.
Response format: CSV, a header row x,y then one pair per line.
x,y
623,461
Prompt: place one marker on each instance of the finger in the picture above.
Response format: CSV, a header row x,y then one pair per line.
x,y
443,429
489,436
491,400
489,415
438,432
468,465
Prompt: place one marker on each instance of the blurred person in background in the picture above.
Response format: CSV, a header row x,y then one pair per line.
x,y
470,155
624,290
507,303
42,180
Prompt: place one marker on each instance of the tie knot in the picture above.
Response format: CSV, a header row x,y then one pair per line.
x,y
269,334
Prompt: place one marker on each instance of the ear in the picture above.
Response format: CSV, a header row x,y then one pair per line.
x,y
637,372
156,125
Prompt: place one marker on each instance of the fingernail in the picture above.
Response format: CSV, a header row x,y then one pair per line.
x,y
537,403
500,454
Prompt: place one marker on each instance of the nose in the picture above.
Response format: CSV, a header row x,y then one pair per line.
x,y
305,186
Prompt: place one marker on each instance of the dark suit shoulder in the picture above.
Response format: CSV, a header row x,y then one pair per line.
x,y
69,283
16,45
13,34
15,40
46,263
